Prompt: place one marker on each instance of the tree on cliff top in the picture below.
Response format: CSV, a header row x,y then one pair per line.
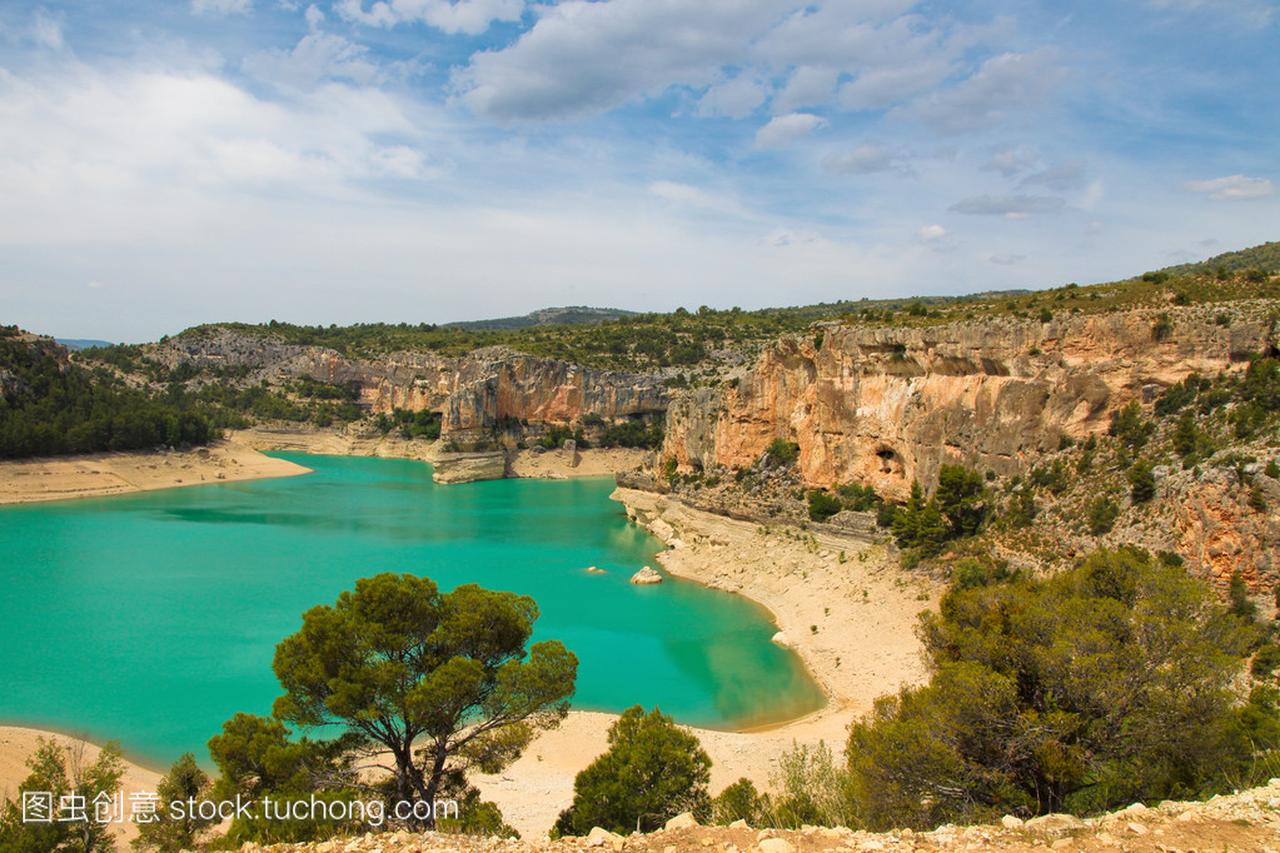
x,y
443,681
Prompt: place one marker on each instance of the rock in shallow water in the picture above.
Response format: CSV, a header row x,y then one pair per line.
x,y
646,576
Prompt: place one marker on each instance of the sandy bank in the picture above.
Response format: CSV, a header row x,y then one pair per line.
x,y
102,474
19,744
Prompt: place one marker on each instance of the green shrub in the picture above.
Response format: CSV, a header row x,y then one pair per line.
x,y
739,801
652,771
822,505
1102,514
1142,482
1238,594
783,452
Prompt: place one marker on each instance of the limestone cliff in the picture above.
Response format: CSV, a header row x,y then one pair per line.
x,y
474,392
886,405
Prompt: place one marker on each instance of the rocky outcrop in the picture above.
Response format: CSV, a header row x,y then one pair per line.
x,y
469,467
886,406
474,393
646,576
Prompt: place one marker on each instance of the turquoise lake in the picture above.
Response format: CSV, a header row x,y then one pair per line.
x,y
151,618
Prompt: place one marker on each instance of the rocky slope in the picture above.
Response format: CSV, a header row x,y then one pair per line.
x,y
1249,820
888,405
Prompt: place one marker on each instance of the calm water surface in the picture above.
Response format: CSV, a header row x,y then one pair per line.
x,y
151,618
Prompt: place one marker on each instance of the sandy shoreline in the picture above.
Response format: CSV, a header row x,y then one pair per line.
x,y
842,602
105,474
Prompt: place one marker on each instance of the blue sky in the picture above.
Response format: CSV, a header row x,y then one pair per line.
x,y
167,164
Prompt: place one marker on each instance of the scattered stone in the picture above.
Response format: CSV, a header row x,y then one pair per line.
x,y
645,576
781,639
596,570
1011,822
684,820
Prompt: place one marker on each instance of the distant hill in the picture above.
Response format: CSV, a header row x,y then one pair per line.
x,y
81,343
1265,257
570,315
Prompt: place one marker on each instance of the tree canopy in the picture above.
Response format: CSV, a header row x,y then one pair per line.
x,y
443,681
652,771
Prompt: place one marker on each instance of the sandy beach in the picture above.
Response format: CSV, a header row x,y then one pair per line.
x,y
103,474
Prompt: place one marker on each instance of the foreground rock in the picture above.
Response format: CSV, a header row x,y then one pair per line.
x,y
1249,820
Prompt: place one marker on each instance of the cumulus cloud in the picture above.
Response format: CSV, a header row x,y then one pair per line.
x,y
452,16
864,159
782,131
1010,206
1232,188
1003,84
221,7
931,233
581,57
696,197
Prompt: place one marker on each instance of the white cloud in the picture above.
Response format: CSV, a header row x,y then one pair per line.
x,y
864,159
1003,84
452,16
877,88
696,197
317,56
785,130
1007,260
808,86
1011,207
1011,162
581,57
736,98
46,29
1059,178
931,233
1233,187
221,7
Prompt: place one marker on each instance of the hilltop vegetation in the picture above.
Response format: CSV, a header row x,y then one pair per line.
x,y
690,342
50,407
1265,258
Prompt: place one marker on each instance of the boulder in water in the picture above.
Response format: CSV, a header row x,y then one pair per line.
x,y
646,576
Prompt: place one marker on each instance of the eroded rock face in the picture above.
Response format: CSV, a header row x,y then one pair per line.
x,y
885,406
473,393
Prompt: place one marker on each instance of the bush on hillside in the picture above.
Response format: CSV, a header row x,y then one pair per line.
x,y
1109,683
